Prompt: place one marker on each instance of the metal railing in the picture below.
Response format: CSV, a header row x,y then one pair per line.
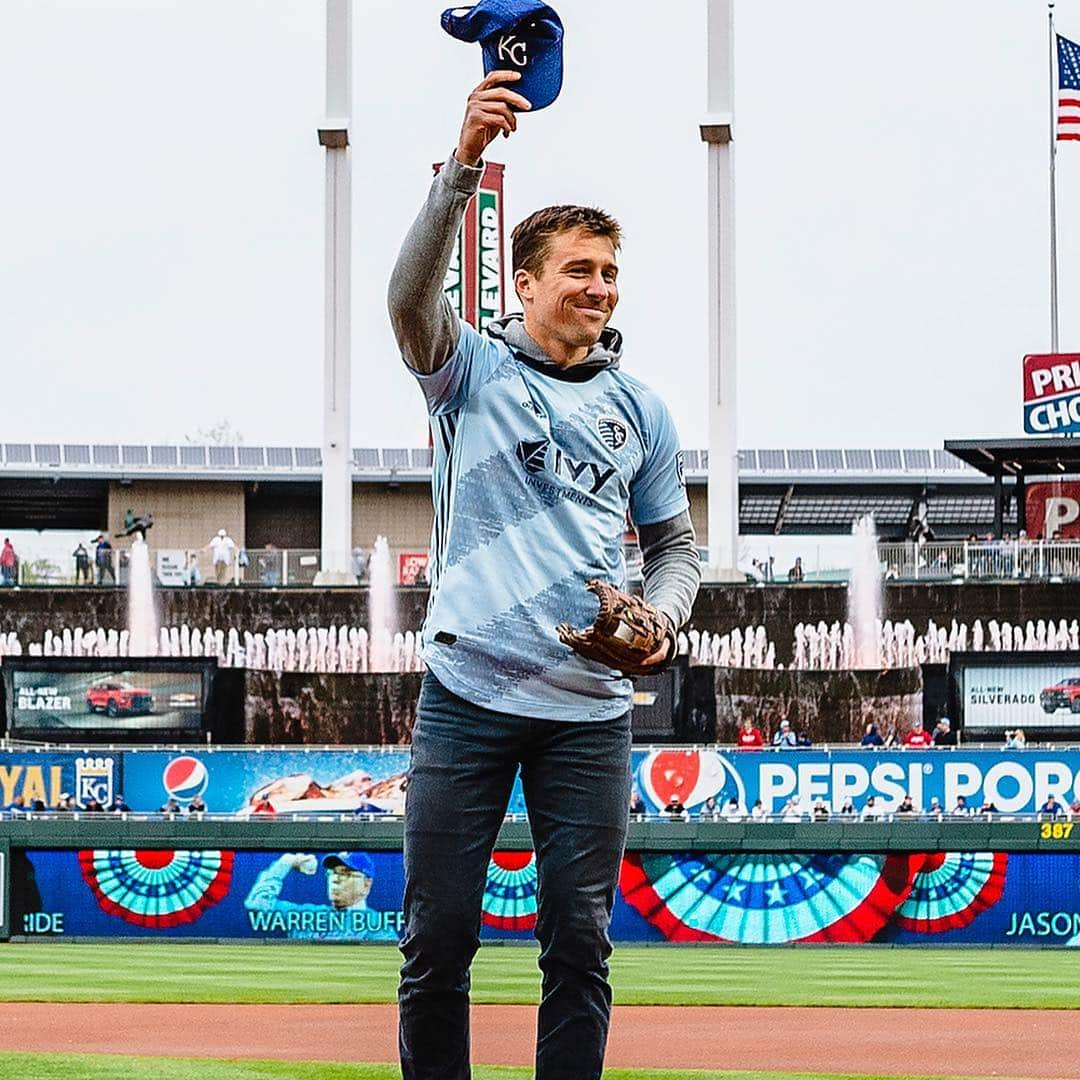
x,y
181,568
948,560
982,560
195,567
834,817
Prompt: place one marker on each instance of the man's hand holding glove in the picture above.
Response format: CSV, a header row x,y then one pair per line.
x,y
628,634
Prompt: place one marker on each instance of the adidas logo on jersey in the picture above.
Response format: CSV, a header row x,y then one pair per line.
x,y
612,431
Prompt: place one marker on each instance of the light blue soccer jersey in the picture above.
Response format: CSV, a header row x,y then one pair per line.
x,y
533,478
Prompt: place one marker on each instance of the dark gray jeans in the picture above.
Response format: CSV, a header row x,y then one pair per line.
x,y
576,780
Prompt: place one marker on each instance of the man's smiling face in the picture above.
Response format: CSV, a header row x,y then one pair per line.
x,y
572,297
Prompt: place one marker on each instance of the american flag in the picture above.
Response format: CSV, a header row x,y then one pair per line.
x,y
1068,118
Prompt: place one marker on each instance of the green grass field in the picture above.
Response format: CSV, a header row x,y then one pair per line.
x,y
193,972
857,976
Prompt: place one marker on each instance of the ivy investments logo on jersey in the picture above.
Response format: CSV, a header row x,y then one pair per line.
x,y
539,457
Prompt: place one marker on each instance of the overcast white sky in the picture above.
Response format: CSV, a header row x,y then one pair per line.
x,y
161,209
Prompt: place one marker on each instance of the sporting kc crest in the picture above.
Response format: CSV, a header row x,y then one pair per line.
x,y
612,431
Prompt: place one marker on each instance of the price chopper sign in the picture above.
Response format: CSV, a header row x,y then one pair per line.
x,y
474,283
1052,394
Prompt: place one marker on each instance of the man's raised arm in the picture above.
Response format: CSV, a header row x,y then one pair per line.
x,y
424,323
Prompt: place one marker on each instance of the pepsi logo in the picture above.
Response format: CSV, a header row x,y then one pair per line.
x,y
692,775
184,778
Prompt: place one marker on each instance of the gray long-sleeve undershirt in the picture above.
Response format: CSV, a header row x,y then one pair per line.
x,y
426,329
424,323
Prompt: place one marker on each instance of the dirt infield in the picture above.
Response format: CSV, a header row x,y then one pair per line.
x,y
931,1042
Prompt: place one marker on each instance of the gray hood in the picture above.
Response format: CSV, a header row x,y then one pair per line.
x,y
605,354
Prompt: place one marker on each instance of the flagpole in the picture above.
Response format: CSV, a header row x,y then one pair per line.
x,y
1053,192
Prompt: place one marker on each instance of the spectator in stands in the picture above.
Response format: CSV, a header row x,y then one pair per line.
x,y
222,549
81,555
961,809
917,737
1074,809
820,812
93,806
784,736
197,805
733,812
988,808
65,804
637,803
757,811
675,809
709,808
118,805
1015,740
103,559
870,809
17,807
935,806
38,806
847,809
943,734
803,740
170,806
749,737
192,573
1052,808
796,574
268,562
9,564
359,563
906,807
792,810
770,568
872,737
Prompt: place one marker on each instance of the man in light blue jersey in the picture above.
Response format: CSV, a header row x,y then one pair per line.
x,y
543,446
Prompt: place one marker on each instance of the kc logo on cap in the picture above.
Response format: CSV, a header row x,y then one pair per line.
x,y
515,35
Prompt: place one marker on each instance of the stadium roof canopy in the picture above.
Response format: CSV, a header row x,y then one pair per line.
x,y
1018,457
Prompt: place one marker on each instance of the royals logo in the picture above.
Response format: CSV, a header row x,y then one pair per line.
x,y
612,431
512,48
94,780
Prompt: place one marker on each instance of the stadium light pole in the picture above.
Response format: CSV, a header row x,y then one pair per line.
x,y
334,567
716,132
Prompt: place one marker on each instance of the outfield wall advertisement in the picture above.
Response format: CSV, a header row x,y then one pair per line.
x,y
66,702
1036,696
373,781
946,898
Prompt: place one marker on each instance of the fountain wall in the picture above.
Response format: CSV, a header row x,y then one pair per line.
x,y
719,608
826,706
330,708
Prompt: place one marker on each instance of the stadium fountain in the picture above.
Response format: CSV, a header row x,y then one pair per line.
x,y
384,648
862,647
142,625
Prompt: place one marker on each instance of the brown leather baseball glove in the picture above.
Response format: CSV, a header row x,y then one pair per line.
x,y
625,633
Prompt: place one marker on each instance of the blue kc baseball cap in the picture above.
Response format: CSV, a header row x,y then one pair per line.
x,y
516,35
351,860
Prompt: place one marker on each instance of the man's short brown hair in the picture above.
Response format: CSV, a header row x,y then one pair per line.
x,y
531,238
